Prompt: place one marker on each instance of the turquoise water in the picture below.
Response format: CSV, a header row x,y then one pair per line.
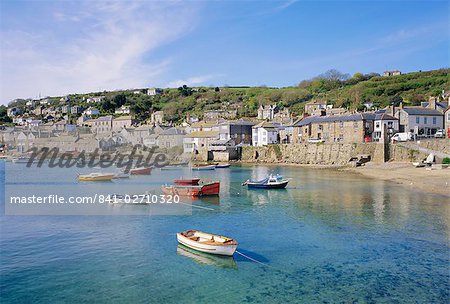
x,y
330,237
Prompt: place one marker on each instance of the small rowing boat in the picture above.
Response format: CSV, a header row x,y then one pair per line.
x,y
271,182
204,167
192,190
141,171
186,181
206,242
223,165
93,177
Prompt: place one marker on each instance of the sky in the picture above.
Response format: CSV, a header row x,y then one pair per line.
x,y
53,48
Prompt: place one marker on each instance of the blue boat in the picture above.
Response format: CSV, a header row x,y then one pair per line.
x,y
271,182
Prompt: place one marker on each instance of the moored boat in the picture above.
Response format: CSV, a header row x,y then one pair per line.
x,y
271,182
173,167
187,181
141,171
20,160
96,177
121,175
206,242
204,167
223,165
193,190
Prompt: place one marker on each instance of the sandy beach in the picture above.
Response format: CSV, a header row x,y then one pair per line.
x,y
431,181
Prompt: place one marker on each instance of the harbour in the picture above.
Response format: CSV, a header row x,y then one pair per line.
x,y
328,236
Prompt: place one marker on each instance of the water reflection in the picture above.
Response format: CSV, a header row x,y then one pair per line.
x,y
207,259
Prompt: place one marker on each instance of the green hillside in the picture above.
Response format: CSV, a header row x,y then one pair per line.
x,y
334,87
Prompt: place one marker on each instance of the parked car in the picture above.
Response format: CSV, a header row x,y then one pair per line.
x,y
440,134
315,140
405,136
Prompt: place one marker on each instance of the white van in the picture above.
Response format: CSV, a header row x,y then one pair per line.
x,y
402,136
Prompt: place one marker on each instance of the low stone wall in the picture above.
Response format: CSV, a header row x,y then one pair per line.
x,y
308,153
437,144
403,154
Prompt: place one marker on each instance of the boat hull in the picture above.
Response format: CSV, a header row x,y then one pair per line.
x,y
280,185
101,178
192,190
204,168
221,166
227,250
187,181
141,171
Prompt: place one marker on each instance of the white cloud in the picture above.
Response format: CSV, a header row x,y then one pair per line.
x,y
108,49
192,81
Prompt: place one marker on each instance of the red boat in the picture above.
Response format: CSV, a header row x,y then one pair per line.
x,y
193,190
141,171
186,181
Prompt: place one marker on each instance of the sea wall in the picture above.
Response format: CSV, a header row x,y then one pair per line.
x,y
317,154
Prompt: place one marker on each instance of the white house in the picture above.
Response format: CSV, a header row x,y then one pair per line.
x,y
384,124
419,120
264,133
91,111
154,91
123,110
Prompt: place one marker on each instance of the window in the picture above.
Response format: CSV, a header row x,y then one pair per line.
x,y
434,120
341,124
355,124
425,120
417,119
390,124
377,125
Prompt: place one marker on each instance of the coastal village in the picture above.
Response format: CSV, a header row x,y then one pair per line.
x,y
219,135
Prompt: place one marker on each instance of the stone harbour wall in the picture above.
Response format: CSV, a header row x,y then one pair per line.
x,y
309,153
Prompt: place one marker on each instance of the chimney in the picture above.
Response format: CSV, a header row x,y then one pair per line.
x,y
432,103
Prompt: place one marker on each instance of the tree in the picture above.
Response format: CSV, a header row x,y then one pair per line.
x,y
4,115
185,90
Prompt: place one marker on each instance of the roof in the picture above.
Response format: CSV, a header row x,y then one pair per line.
x,y
265,125
352,117
127,117
172,131
203,124
422,111
239,122
203,134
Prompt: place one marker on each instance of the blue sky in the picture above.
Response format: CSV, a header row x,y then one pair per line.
x,y
59,47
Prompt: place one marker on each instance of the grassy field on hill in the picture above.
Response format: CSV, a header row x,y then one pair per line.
x,y
336,88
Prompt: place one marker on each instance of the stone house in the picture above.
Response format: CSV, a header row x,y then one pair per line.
x,y
157,117
353,128
392,73
315,106
122,122
447,121
170,138
217,114
239,131
100,125
199,140
420,121
267,112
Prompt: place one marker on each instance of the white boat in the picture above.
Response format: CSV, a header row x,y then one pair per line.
x,y
121,175
96,177
418,164
204,167
21,160
206,242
